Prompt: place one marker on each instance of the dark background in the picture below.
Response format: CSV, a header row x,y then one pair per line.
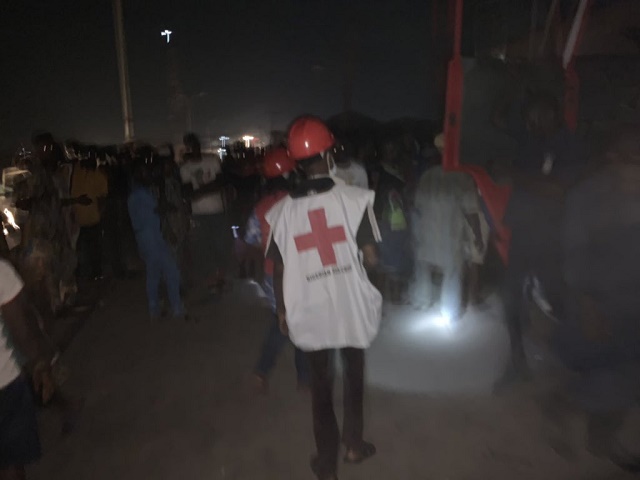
x,y
259,62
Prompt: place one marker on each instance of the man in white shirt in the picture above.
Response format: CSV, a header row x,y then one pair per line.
x,y
448,232
211,236
323,234
19,441
348,169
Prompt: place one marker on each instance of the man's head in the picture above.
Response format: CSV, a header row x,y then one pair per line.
x,y
192,146
90,161
343,152
310,143
542,114
389,151
439,143
143,165
48,151
277,168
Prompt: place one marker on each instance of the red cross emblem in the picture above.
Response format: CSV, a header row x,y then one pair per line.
x,y
321,237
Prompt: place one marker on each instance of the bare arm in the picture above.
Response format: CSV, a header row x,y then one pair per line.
x,y
370,256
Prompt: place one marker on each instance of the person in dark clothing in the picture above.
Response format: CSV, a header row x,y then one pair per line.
x,y
323,236
599,334
88,180
118,234
277,170
549,161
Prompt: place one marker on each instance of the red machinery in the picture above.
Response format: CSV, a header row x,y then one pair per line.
x,y
495,196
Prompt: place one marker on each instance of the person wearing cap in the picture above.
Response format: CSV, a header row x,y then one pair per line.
x,y
447,231
276,169
159,260
323,241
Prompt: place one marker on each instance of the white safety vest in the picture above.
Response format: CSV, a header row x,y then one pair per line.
x,y
329,299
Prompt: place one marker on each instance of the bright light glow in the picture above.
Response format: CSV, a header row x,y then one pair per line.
x,y
434,321
166,33
11,219
5,231
247,140
443,320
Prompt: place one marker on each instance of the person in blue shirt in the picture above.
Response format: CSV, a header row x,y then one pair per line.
x,y
157,255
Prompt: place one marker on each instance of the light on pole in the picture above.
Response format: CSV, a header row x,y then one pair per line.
x,y
166,33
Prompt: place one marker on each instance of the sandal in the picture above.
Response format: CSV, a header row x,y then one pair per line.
x,y
356,456
315,468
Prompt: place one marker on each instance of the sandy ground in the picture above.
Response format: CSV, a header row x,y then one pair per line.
x,y
174,401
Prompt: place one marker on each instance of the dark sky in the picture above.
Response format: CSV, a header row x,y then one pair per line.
x,y
259,62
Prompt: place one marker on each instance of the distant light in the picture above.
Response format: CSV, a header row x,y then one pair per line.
x,y
166,33
247,140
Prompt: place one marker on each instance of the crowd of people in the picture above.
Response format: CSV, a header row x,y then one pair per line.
x,y
336,224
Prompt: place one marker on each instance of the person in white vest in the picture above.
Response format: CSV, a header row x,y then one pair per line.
x,y
22,348
322,241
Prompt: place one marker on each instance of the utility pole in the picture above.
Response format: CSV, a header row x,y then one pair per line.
x,y
533,28
121,49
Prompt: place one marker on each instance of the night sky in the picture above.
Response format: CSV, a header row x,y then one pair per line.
x,y
260,63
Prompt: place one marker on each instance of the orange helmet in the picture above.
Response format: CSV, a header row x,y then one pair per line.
x,y
309,136
277,162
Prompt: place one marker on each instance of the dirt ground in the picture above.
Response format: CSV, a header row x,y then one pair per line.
x,y
174,401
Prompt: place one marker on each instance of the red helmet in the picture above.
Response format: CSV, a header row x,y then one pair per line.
x,y
277,162
309,136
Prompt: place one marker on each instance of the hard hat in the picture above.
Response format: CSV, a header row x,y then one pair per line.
x,y
277,162
309,136
439,142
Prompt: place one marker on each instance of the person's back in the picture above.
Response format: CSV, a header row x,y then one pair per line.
x,y
211,240
93,183
200,172
143,213
323,236
330,301
602,254
599,333
442,199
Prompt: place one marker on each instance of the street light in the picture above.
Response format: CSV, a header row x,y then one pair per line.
x,y
247,140
166,33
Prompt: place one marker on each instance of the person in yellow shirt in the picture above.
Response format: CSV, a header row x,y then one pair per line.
x,y
88,180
